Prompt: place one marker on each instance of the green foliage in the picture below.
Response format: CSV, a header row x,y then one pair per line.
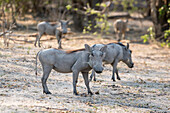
x,y
46,2
75,9
130,3
167,43
166,35
151,33
68,7
164,10
124,3
103,5
145,38
149,36
167,32
101,20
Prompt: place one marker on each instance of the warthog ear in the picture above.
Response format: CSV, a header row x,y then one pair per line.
x,y
68,21
87,48
103,49
61,21
127,46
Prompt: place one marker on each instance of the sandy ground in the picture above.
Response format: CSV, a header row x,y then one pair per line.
x,y
144,88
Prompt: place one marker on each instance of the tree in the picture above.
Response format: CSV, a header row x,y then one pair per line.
x,y
160,13
79,14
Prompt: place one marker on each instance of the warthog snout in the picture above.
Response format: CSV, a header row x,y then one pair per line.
x,y
64,31
131,65
98,69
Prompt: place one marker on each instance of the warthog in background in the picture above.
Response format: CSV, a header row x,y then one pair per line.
x,y
73,61
49,29
120,28
114,54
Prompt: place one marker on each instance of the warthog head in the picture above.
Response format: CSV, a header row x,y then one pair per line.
x,y
64,26
95,58
127,59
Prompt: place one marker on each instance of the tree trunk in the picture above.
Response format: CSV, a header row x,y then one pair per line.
x,y
13,12
154,15
3,21
79,19
160,22
91,18
148,8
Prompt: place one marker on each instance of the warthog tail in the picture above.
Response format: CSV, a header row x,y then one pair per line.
x,y
36,63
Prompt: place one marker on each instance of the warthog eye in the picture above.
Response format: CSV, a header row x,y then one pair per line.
x,y
130,51
101,54
92,54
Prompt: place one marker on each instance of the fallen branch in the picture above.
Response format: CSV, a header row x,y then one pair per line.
x,y
8,34
84,10
3,33
118,15
55,108
18,40
21,35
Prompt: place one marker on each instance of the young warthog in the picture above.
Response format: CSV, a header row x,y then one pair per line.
x,y
49,29
120,27
73,61
114,54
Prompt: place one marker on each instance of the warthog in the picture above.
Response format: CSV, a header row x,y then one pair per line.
x,y
49,29
120,27
73,61
114,54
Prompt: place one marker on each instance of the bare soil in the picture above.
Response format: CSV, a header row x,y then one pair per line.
x,y
144,88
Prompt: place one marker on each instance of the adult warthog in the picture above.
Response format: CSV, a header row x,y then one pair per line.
x,y
71,61
120,28
51,29
114,54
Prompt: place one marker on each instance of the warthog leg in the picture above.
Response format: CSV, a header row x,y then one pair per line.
x,y
59,43
75,78
114,65
38,39
117,74
35,44
59,37
46,71
93,74
85,76
118,35
123,35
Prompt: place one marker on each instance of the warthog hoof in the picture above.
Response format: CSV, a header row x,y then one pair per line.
x,y
119,40
75,93
60,48
47,92
94,79
113,80
90,93
118,78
